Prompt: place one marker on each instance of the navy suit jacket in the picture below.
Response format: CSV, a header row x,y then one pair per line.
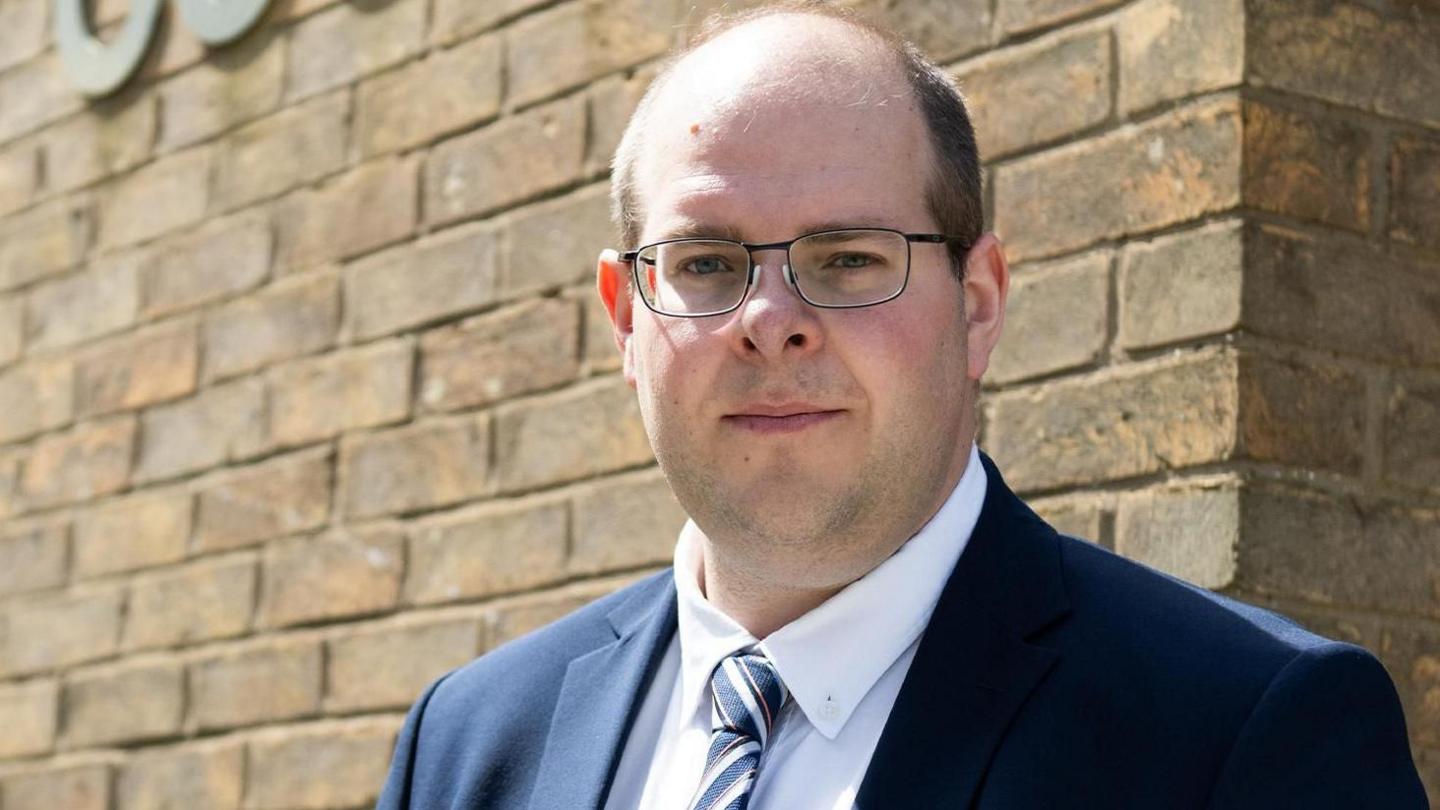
x,y
1053,674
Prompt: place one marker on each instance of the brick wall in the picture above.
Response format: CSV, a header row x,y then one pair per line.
x,y
304,398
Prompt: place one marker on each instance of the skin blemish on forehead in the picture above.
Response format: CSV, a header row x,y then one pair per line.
x,y
694,129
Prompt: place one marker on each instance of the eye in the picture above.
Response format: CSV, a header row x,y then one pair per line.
x,y
853,261
705,265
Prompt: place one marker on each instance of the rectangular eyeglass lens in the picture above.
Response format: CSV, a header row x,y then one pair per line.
x,y
696,276
850,267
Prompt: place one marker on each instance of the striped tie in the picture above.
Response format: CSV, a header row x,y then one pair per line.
x,y
748,696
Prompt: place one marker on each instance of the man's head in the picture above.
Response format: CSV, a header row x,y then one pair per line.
x,y
808,443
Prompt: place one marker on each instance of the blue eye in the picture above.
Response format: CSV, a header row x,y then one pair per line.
x,y
852,261
706,265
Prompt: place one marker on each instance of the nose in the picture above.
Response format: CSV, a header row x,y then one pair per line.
x,y
773,320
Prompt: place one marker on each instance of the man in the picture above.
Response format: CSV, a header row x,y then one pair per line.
x,y
860,613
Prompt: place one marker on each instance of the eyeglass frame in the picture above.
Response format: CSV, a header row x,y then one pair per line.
x,y
787,273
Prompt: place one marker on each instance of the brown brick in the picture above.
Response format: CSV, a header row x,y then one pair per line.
x,y
943,29
1412,431
325,765
153,365
1414,188
24,32
170,193
1349,53
528,347
584,430
386,667
1305,168
127,703
1291,413
567,46
233,85
1037,92
1170,49
1191,533
340,574
137,531
369,207
496,548
414,283
33,94
222,423
458,19
19,174
1015,16
351,40
281,496
421,466
263,682
287,319
1319,555
175,48
598,350
1301,289
32,556
10,480
88,461
1084,518
285,150
509,161
514,618
199,602
112,136
413,104
1137,419
30,709
220,258
58,630
1176,167
1181,286
10,313
36,397
99,300
318,398
557,242
624,522
1056,318
204,775
43,241
73,787
611,102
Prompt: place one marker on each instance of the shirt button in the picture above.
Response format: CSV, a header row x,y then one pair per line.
x,y
829,710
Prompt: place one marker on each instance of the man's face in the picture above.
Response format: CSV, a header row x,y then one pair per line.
x,y
781,426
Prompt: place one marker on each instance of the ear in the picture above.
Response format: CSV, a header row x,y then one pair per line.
x,y
612,280
987,283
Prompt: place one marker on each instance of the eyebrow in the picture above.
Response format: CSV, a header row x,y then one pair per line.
x,y
699,230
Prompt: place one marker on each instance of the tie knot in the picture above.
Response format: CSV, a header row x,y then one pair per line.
x,y
748,695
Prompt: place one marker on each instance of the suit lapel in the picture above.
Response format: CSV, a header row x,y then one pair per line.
x,y
974,668
598,700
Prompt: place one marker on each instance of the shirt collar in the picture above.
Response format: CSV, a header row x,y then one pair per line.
x,y
868,624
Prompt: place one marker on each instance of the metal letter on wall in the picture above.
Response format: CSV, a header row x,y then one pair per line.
x,y
99,68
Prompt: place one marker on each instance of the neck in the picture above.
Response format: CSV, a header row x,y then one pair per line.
x,y
759,607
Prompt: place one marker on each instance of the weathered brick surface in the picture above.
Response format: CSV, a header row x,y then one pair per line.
x,y
59,630
33,94
557,242
386,666
1414,185
112,136
35,397
208,775
25,32
422,100
506,162
1084,518
89,461
221,423
625,522
10,333
1192,532
367,208
199,602
599,351
1016,16
31,710
610,102
137,531
277,497
74,787
220,258
1307,168
564,47
287,319
159,197
370,35
153,365
43,241
261,682
293,146
343,573
1179,166
581,431
125,703
456,19
19,175
1301,414
409,285
232,86
514,618
33,556
318,398
528,347
98,300
1035,93
430,464
1181,286
1412,431
320,766
496,548
1171,49
1057,317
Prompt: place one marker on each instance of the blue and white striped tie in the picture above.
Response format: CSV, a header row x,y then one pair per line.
x,y
748,697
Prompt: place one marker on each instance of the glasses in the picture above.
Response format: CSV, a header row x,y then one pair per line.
x,y
835,269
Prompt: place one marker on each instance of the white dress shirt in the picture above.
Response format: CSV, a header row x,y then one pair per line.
x,y
843,662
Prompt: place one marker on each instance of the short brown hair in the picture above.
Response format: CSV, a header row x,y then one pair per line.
x,y
953,191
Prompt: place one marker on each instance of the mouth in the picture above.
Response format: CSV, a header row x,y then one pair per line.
x,y
781,419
